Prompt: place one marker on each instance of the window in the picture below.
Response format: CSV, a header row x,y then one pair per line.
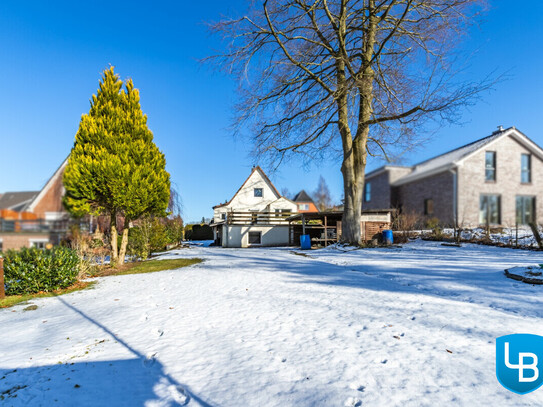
x,y
367,192
525,210
258,192
255,237
525,168
303,207
1,245
489,210
490,166
38,244
428,206
223,216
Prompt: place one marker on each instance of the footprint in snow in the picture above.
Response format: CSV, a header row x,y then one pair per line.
x,y
353,402
179,394
358,387
150,359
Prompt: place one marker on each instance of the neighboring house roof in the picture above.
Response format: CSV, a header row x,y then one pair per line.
x,y
49,184
455,157
302,196
384,168
17,201
263,174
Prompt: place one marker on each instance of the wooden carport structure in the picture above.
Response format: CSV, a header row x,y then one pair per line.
x,y
324,228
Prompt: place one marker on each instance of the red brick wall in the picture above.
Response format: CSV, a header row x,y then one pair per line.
x,y
52,200
19,240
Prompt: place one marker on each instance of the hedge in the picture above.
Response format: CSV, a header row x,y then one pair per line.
x,y
29,271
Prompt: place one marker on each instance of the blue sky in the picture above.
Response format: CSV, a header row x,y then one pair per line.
x,y
52,55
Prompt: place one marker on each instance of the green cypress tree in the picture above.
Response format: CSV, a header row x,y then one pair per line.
x,y
115,168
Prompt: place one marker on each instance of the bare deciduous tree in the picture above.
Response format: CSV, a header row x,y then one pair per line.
x,y
322,196
358,77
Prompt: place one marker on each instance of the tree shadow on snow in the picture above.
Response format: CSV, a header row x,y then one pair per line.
x,y
136,381
471,273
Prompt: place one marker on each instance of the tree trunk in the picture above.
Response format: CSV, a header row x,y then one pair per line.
x,y
354,150
124,242
114,247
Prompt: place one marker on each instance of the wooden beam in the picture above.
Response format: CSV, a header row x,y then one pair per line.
x,y
325,231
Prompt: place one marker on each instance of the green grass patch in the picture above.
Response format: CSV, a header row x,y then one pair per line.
x,y
12,300
148,266
151,266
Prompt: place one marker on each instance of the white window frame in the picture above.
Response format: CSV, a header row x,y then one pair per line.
x,y
45,242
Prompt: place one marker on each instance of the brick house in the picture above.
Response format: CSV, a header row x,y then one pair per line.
x,y
305,202
497,180
34,218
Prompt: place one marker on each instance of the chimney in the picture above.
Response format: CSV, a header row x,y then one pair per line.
x,y
500,129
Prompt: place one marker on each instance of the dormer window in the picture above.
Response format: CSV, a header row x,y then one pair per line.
x,y
259,192
490,166
525,168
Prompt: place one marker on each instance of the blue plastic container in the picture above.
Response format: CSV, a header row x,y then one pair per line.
x,y
305,242
388,237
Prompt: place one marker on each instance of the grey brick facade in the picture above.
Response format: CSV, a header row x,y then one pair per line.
x,y
449,187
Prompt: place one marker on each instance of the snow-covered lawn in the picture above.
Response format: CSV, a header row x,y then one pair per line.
x,y
414,326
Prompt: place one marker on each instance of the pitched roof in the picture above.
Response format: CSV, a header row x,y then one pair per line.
x,y
263,174
384,168
451,158
17,201
302,196
48,185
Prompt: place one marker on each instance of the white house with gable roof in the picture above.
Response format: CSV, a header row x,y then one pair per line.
x,y
255,216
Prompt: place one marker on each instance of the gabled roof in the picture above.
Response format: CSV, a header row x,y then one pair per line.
x,y
384,168
263,174
47,186
302,196
455,157
17,201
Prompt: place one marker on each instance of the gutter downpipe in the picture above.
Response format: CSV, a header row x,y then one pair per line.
x,y
454,172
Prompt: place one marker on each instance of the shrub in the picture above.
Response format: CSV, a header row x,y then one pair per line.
x,y
29,271
149,236
174,230
404,223
432,223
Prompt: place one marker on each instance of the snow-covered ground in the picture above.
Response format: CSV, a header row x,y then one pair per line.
x,y
521,237
411,326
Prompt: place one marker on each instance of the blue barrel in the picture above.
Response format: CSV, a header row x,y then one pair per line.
x,y
305,242
388,237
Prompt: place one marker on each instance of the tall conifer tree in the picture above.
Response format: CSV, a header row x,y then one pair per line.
x,y
115,168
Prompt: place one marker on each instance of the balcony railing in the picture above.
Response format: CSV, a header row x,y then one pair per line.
x,y
33,226
257,218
